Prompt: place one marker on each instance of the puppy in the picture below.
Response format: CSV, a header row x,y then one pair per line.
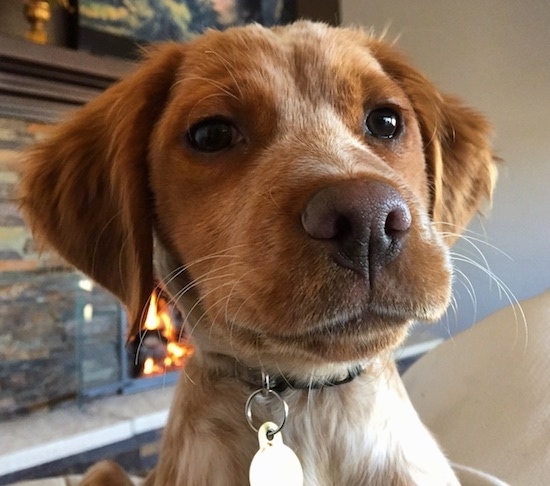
x,y
295,190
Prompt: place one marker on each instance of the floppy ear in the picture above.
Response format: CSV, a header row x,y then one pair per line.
x,y
85,192
460,162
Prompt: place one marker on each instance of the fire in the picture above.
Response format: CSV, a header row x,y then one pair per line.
x,y
149,366
160,327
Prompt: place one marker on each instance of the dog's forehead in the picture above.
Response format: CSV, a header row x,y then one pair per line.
x,y
315,59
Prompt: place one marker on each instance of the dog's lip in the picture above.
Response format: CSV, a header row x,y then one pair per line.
x,y
353,324
338,325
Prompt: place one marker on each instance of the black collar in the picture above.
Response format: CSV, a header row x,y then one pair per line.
x,y
256,379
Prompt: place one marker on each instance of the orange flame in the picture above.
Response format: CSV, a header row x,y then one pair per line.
x,y
158,319
152,321
148,366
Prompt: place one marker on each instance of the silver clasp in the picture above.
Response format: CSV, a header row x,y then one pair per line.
x,y
266,392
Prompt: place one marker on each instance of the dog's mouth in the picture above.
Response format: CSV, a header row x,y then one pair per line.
x,y
355,317
343,325
343,338
350,329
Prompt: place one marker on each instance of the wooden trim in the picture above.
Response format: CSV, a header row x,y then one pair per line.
x,y
320,10
42,83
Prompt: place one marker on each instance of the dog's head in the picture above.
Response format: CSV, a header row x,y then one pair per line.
x,y
301,184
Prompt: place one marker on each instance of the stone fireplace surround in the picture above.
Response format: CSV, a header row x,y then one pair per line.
x,y
46,427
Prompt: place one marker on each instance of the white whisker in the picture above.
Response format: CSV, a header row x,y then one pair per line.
x,y
222,87
477,259
469,287
206,310
229,69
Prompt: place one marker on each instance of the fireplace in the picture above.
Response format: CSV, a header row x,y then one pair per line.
x,y
161,347
107,362
63,338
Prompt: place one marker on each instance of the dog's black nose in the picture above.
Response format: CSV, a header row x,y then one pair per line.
x,y
365,223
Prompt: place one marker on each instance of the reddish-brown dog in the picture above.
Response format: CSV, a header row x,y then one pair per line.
x,y
295,189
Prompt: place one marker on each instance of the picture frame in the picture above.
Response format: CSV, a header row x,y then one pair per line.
x,y
122,27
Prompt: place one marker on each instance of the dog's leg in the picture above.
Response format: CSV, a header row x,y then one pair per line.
x,y
106,473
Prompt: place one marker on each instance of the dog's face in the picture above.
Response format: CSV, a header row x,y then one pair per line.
x,y
298,182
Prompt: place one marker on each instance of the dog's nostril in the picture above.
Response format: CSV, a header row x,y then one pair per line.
x,y
322,220
342,227
398,221
364,222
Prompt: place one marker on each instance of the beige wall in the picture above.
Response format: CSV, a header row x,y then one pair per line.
x,y
495,54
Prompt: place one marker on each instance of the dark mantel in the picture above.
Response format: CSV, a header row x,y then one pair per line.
x,y
42,83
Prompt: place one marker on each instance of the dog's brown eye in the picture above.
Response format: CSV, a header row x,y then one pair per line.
x,y
213,135
383,123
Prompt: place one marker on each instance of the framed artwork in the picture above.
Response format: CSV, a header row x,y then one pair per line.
x,y
119,27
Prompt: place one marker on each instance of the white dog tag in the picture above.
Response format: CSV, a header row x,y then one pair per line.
x,y
275,464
